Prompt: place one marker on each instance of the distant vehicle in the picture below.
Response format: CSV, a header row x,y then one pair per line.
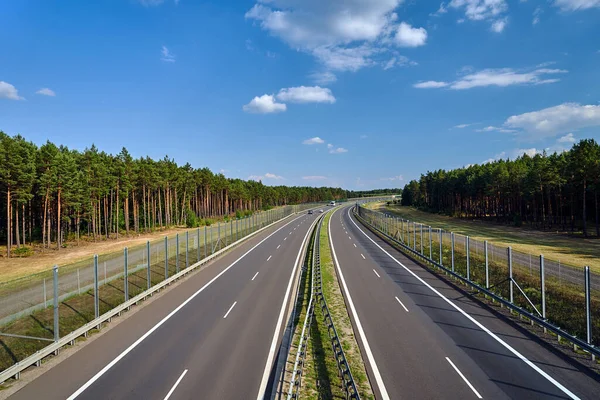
x,y
310,211
321,210
332,203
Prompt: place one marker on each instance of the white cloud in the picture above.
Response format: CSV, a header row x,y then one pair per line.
x,y
398,61
323,78
442,10
8,91
268,175
342,35
555,120
364,136
264,104
393,178
407,36
306,94
46,92
430,85
166,55
461,126
536,15
499,25
329,146
501,77
495,129
568,138
314,178
337,150
574,5
315,140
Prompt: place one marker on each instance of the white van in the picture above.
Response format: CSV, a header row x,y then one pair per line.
x,y
332,203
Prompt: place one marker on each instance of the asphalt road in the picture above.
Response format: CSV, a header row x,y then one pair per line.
x,y
210,338
423,339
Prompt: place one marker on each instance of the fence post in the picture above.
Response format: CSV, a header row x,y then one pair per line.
x,y
125,273
187,248
148,276
452,250
211,239
231,230
441,247
205,248
45,299
543,287
588,304
226,233
78,283
96,300
487,267
510,274
467,242
176,255
421,238
414,236
237,229
55,279
198,242
430,245
166,256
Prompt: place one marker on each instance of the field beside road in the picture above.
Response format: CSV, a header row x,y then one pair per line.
x,y
576,252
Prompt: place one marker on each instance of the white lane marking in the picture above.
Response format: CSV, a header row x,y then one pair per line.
x,y
402,304
349,238
473,320
361,254
361,332
290,233
464,378
285,238
175,385
230,308
165,319
278,246
271,356
354,244
255,275
269,258
376,273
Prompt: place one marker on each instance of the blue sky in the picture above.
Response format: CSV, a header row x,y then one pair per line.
x,y
357,94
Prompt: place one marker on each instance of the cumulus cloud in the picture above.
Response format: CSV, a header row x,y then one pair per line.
x,y
166,55
484,10
266,176
575,5
495,129
552,121
499,25
536,15
315,140
314,178
407,36
46,92
337,150
265,104
501,77
323,78
461,126
306,94
393,178
442,10
568,138
8,91
341,35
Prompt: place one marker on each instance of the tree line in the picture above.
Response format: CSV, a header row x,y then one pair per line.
x,y
556,191
51,193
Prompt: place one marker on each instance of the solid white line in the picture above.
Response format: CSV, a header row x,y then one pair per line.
x,y
278,246
361,332
230,308
361,254
376,273
473,320
354,244
269,258
255,275
271,356
464,378
165,319
402,304
175,385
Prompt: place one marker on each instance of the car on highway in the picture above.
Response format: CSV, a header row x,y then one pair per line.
x,y
321,210
310,211
332,203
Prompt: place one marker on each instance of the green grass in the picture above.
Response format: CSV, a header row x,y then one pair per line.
x,y
574,251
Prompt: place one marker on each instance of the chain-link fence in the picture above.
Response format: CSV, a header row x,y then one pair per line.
x,y
555,292
30,316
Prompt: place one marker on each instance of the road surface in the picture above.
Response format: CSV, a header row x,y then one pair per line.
x,y
423,339
212,337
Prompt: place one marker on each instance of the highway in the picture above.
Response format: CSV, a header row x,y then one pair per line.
x,y
215,336
423,339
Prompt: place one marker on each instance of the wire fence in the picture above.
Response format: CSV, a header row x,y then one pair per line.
x,y
43,307
565,296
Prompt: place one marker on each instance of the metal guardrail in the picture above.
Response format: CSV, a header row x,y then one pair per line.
x,y
338,352
298,371
588,347
36,359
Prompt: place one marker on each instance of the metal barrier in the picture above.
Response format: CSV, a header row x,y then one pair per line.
x,y
386,226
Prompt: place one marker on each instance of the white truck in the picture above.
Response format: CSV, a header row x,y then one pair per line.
x,y
332,203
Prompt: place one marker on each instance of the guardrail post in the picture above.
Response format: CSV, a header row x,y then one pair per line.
x,y
126,273
452,250
588,305
543,287
487,267
430,245
441,247
166,256
510,274
467,242
187,248
56,327
148,276
96,299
